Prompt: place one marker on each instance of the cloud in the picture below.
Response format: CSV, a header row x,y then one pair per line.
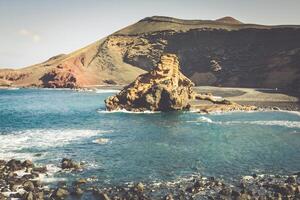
x,y
31,35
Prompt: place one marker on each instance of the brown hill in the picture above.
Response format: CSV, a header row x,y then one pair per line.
x,y
228,20
223,52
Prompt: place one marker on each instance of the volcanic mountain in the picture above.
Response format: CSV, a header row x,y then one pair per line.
x,y
222,52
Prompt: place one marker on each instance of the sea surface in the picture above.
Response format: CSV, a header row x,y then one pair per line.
x,y
48,125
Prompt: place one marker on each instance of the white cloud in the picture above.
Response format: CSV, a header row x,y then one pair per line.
x,y
29,34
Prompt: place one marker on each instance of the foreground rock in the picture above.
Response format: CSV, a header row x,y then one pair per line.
x,y
164,88
26,186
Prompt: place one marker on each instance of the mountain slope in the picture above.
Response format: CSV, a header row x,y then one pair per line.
x,y
223,52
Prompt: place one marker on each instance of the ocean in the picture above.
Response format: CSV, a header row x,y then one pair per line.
x,y
47,125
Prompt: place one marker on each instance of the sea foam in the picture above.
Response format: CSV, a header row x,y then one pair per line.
x,y
107,91
126,111
283,123
13,143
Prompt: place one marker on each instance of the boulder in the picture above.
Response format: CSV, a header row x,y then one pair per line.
x,y
103,196
164,88
60,193
14,165
28,186
70,164
27,163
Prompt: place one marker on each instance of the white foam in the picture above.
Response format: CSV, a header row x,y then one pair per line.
x,y
101,141
202,119
126,111
12,143
13,88
288,124
283,123
290,112
106,91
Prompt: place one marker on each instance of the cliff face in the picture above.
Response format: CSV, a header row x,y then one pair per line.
x,y
268,58
164,88
224,52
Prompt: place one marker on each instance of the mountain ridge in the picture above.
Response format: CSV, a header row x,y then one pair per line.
x,y
222,52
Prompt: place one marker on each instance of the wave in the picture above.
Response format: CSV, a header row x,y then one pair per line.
x,y
13,88
12,144
107,91
126,111
283,123
289,124
101,141
202,119
290,112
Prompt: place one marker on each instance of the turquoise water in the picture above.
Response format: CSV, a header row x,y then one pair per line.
x,y
47,125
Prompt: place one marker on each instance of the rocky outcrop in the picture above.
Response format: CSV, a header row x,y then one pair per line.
x,y
59,79
164,88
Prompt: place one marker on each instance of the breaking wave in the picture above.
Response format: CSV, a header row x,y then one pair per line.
x,y
13,143
107,91
126,111
283,123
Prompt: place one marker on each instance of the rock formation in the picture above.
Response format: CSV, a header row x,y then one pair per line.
x,y
164,88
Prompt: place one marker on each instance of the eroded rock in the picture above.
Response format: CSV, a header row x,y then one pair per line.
x,y
164,88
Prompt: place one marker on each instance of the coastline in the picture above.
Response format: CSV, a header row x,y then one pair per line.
x,y
263,98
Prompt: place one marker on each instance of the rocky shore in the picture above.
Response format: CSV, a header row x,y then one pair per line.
x,y
22,180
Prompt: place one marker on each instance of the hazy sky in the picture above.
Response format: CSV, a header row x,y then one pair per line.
x,y
31,31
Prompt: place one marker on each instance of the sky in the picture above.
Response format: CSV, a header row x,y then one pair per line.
x,y
31,31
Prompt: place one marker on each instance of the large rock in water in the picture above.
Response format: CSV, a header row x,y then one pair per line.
x,y
164,88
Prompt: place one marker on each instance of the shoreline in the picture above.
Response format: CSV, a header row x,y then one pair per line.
x,y
24,180
263,98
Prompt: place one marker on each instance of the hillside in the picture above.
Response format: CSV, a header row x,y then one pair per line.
x,y
222,52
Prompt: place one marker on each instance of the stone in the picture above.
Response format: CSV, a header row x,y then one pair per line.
x,y
78,191
226,191
80,181
40,169
2,197
235,193
297,189
14,165
103,196
2,162
169,197
27,163
291,180
28,196
69,164
14,187
164,88
37,183
28,186
198,184
244,197
60,193
139,187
